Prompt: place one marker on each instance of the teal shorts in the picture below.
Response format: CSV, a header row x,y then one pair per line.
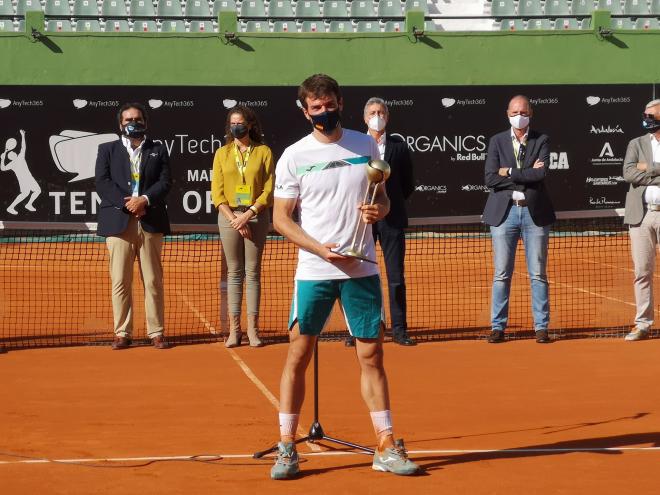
x,y
361,300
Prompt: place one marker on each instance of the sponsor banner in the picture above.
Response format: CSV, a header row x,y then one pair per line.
x,y
50,136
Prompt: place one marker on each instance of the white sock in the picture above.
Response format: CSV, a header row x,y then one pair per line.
x,y
288,424
382,421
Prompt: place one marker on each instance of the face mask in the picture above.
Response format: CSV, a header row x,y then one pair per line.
x,y
326,122
134,129
376,123
650,124
238,130
519,121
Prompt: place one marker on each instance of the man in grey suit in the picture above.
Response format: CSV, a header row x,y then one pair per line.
x,y
641,169
518,206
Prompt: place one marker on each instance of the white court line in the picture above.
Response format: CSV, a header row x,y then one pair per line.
x,y
597,294
246,369
331,454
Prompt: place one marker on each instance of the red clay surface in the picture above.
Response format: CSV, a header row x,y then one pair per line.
x,y
554,400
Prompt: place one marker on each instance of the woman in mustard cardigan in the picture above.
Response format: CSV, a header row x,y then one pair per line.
x,y
242,191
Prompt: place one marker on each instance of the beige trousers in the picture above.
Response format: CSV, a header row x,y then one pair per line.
x,y
244,262
123,250
643,241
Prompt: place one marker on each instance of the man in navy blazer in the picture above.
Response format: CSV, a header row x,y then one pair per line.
x,y
132,180
518,206
390,230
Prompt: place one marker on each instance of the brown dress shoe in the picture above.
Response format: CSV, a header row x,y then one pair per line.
x,y
159,342
121,343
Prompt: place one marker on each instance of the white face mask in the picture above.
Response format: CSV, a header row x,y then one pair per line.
x,y
519,121
377,123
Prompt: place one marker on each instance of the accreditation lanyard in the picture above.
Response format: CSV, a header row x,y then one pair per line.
x,y
135,171
242,160
519,152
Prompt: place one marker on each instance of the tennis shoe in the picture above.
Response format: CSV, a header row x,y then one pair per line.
x,y
637,334
394,460
286,464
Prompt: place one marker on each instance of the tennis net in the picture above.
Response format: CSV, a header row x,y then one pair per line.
x,y
56,287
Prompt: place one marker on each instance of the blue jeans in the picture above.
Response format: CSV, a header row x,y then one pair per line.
x,y
518,223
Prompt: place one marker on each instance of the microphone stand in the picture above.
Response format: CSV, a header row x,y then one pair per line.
x,y
316,433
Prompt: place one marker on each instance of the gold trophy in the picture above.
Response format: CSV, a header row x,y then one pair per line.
x,y
378,172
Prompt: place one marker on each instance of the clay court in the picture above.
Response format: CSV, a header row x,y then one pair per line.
x,y
577,416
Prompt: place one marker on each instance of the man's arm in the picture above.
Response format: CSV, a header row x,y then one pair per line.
x,y
283,209
636,172
536,173
378,210
493,178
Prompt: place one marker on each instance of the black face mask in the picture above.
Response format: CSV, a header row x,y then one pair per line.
x,y
650,124
326,122
238,130
134,129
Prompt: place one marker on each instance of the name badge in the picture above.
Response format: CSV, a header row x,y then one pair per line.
x,y
244,195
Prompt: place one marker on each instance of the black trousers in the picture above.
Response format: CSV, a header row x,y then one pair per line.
x,y
393,243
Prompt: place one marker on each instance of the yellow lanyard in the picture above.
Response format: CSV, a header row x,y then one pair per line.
x,y
242,160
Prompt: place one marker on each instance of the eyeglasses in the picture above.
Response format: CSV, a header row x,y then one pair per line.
x,y
648,116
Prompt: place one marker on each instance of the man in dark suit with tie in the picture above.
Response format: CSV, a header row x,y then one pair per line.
x,y
132,180
390,230
519,206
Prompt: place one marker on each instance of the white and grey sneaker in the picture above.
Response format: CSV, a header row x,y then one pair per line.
x,y
637,334
394,460
286,463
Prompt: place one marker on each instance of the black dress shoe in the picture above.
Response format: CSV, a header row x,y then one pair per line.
x,y
2,350
349,342
496,336
407,341
121,343
542,337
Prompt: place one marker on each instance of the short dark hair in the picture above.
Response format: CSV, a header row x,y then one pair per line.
x,y
137,106
251,118
316,86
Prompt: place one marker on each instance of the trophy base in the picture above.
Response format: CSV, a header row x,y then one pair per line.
x,y
350,253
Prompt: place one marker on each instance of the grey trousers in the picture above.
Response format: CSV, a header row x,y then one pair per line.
x,y
644,240
244,262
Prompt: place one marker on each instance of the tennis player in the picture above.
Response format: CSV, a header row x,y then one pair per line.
x,y
323,176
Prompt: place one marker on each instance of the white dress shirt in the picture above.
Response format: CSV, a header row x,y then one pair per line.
x,y
652,193
134,156
518,195
381,144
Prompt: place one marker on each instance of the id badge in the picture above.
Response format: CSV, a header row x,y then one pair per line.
x,y
244,195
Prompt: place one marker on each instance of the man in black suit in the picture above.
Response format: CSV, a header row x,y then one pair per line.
x,y
518,206
390,230
132,180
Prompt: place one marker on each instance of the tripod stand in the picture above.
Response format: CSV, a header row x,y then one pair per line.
x,y
316,432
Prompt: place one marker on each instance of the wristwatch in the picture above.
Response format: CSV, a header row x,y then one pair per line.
x,y
254,210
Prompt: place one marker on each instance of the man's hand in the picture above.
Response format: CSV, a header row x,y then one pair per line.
x,y
503,171
329,255
642,167
372,213
240,221
135,204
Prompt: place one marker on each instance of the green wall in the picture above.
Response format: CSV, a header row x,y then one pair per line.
x,y
443,58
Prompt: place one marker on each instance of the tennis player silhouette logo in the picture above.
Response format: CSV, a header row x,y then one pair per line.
x,y
15,161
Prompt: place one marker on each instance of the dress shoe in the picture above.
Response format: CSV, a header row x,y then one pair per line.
x,y
121,343
637,334
542,337
405,340
349,342
496,336
159,342
2,350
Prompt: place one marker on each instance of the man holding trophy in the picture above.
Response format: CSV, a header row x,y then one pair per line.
x,y
333,177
